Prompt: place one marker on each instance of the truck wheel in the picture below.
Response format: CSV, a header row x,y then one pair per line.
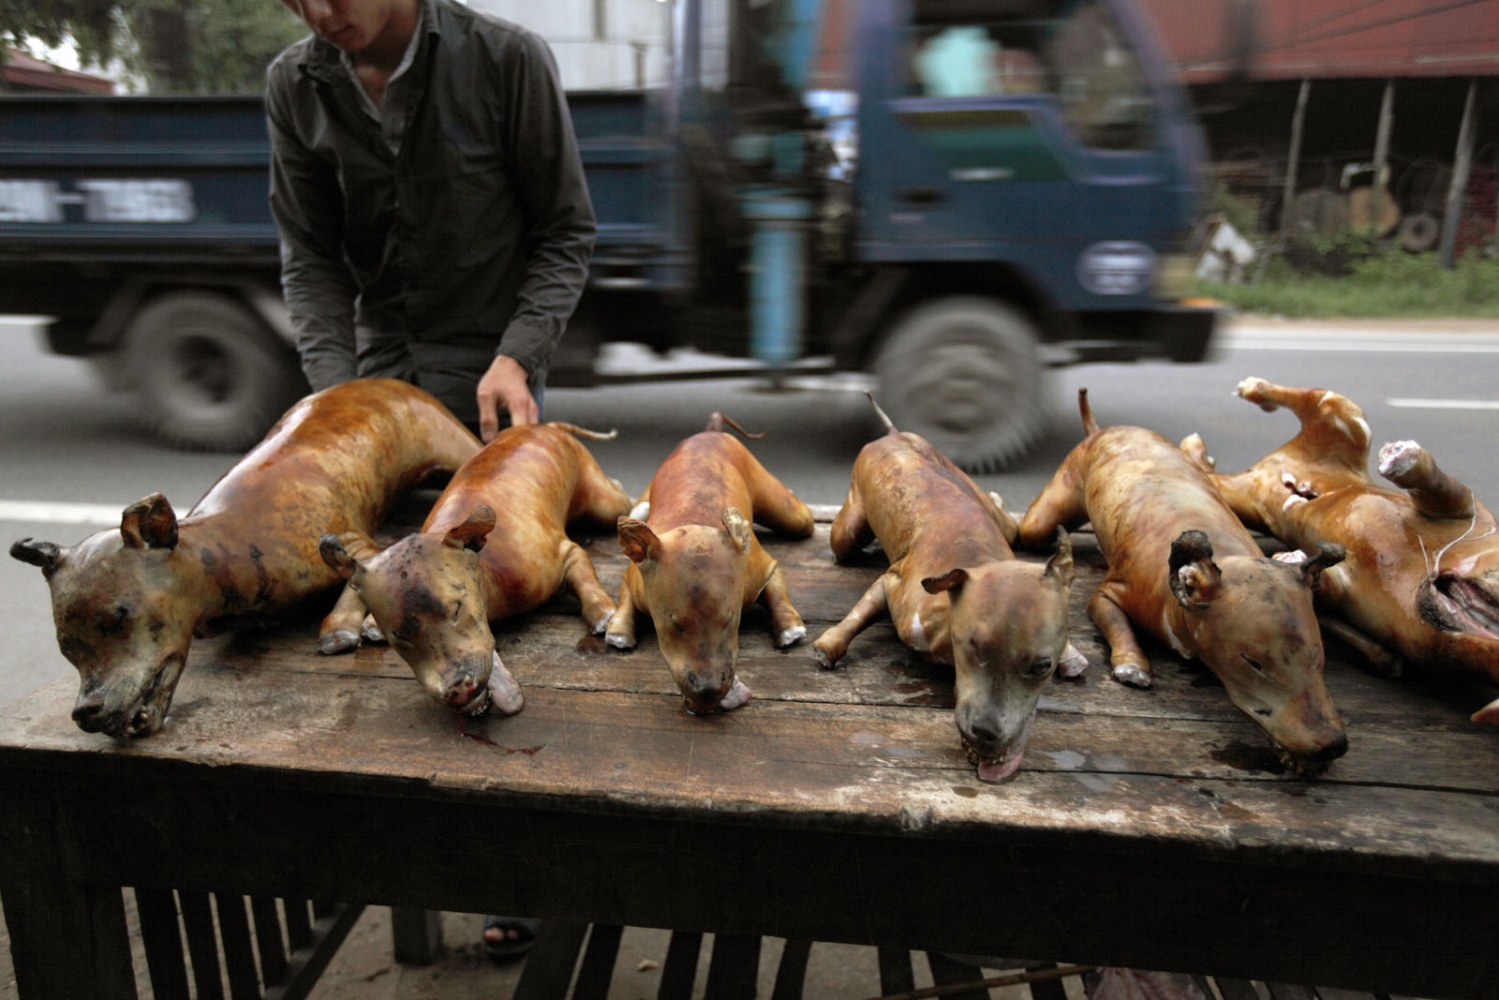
x,y
966,374
208,375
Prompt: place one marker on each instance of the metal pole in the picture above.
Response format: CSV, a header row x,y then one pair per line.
x,y
1460,167
1293,162
1382,153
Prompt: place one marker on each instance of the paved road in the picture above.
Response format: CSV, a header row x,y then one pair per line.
x,y
71,456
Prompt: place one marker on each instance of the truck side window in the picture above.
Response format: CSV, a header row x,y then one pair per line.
x,y
1102,89
974,60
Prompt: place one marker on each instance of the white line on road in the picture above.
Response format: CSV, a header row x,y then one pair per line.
x,y
58,512
1444,404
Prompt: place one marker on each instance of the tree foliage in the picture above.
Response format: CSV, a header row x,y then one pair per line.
x,y
178,46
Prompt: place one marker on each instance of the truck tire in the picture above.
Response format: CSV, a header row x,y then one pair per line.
x,y
966,374
208,375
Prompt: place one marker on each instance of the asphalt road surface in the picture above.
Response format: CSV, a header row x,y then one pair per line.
x,y
72,456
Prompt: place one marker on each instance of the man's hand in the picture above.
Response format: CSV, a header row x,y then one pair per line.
x,y
504,387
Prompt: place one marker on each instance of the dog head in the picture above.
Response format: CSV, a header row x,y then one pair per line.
x,y
693,577
427,595
125,604
1252,624
1008,626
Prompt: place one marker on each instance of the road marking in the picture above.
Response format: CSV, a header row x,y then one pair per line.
x,y
1411,345
1444,404
57,512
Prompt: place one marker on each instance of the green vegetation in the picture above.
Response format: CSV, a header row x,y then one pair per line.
x,y
1389,283
1354,276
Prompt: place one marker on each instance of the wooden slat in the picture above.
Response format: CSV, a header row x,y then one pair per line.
x,y
298,924
734,969
305,966
552,961
416,935
239,947
202,944
948,971
679,970
895,971
597,969
269,943
791,971
1235,989
162,937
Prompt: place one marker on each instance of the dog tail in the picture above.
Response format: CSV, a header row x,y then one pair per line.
x,y
584,432
717,421
1090,426
884,417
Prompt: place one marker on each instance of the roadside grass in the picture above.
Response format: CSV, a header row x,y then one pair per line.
x,y
1375,281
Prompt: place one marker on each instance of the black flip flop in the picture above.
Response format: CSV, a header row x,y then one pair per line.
x,y
524,929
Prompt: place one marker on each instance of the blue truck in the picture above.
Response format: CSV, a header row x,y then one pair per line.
x,y
950,195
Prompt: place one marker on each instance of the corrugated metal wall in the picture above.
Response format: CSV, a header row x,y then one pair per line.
x,y
1296,39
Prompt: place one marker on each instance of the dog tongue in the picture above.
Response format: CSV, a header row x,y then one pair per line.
x,y
995,772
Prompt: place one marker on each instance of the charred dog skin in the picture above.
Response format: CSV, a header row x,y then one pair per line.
x,y
695,563
1182,566
955,591
494,545
128,602
1420,587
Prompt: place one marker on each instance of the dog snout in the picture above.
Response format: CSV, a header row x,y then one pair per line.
x,y
704,690
462,691
88,712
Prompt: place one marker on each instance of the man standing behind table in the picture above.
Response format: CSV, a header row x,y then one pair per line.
x,y
435,223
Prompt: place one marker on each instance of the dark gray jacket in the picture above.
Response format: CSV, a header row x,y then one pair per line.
x,y
473,240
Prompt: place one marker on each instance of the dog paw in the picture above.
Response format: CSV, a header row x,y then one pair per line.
x,y
1397,458
790,636
739,695
641,511
825,660
371,631
1291,557
1252,390
619,640
1133,675
338,641
1073,662
601,626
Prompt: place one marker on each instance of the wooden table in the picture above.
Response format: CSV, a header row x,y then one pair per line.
x,y
1150,829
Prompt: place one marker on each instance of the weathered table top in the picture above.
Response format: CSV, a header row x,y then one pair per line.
x,y
1153,829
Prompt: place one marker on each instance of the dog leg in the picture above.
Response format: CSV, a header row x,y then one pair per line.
x,y
1333,429
1060,504
1434,493
579,574
850,531
776,507
341,628
620,632
786,625
1128,662
833,643
1378,660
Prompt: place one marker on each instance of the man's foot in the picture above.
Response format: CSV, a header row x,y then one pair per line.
x,y
508,938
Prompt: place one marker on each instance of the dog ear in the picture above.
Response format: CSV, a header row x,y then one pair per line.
x,y
1194,577
473,531
739,528
149,523
1328,555
639,541
43,554
952,582
1060,566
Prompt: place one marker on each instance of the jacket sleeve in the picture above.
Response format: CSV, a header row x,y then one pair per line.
x,y
305,201
547,173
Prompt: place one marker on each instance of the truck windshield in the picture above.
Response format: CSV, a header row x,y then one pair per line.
x,y
1077,54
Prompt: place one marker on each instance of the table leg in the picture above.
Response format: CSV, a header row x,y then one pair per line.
x,y
67,938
